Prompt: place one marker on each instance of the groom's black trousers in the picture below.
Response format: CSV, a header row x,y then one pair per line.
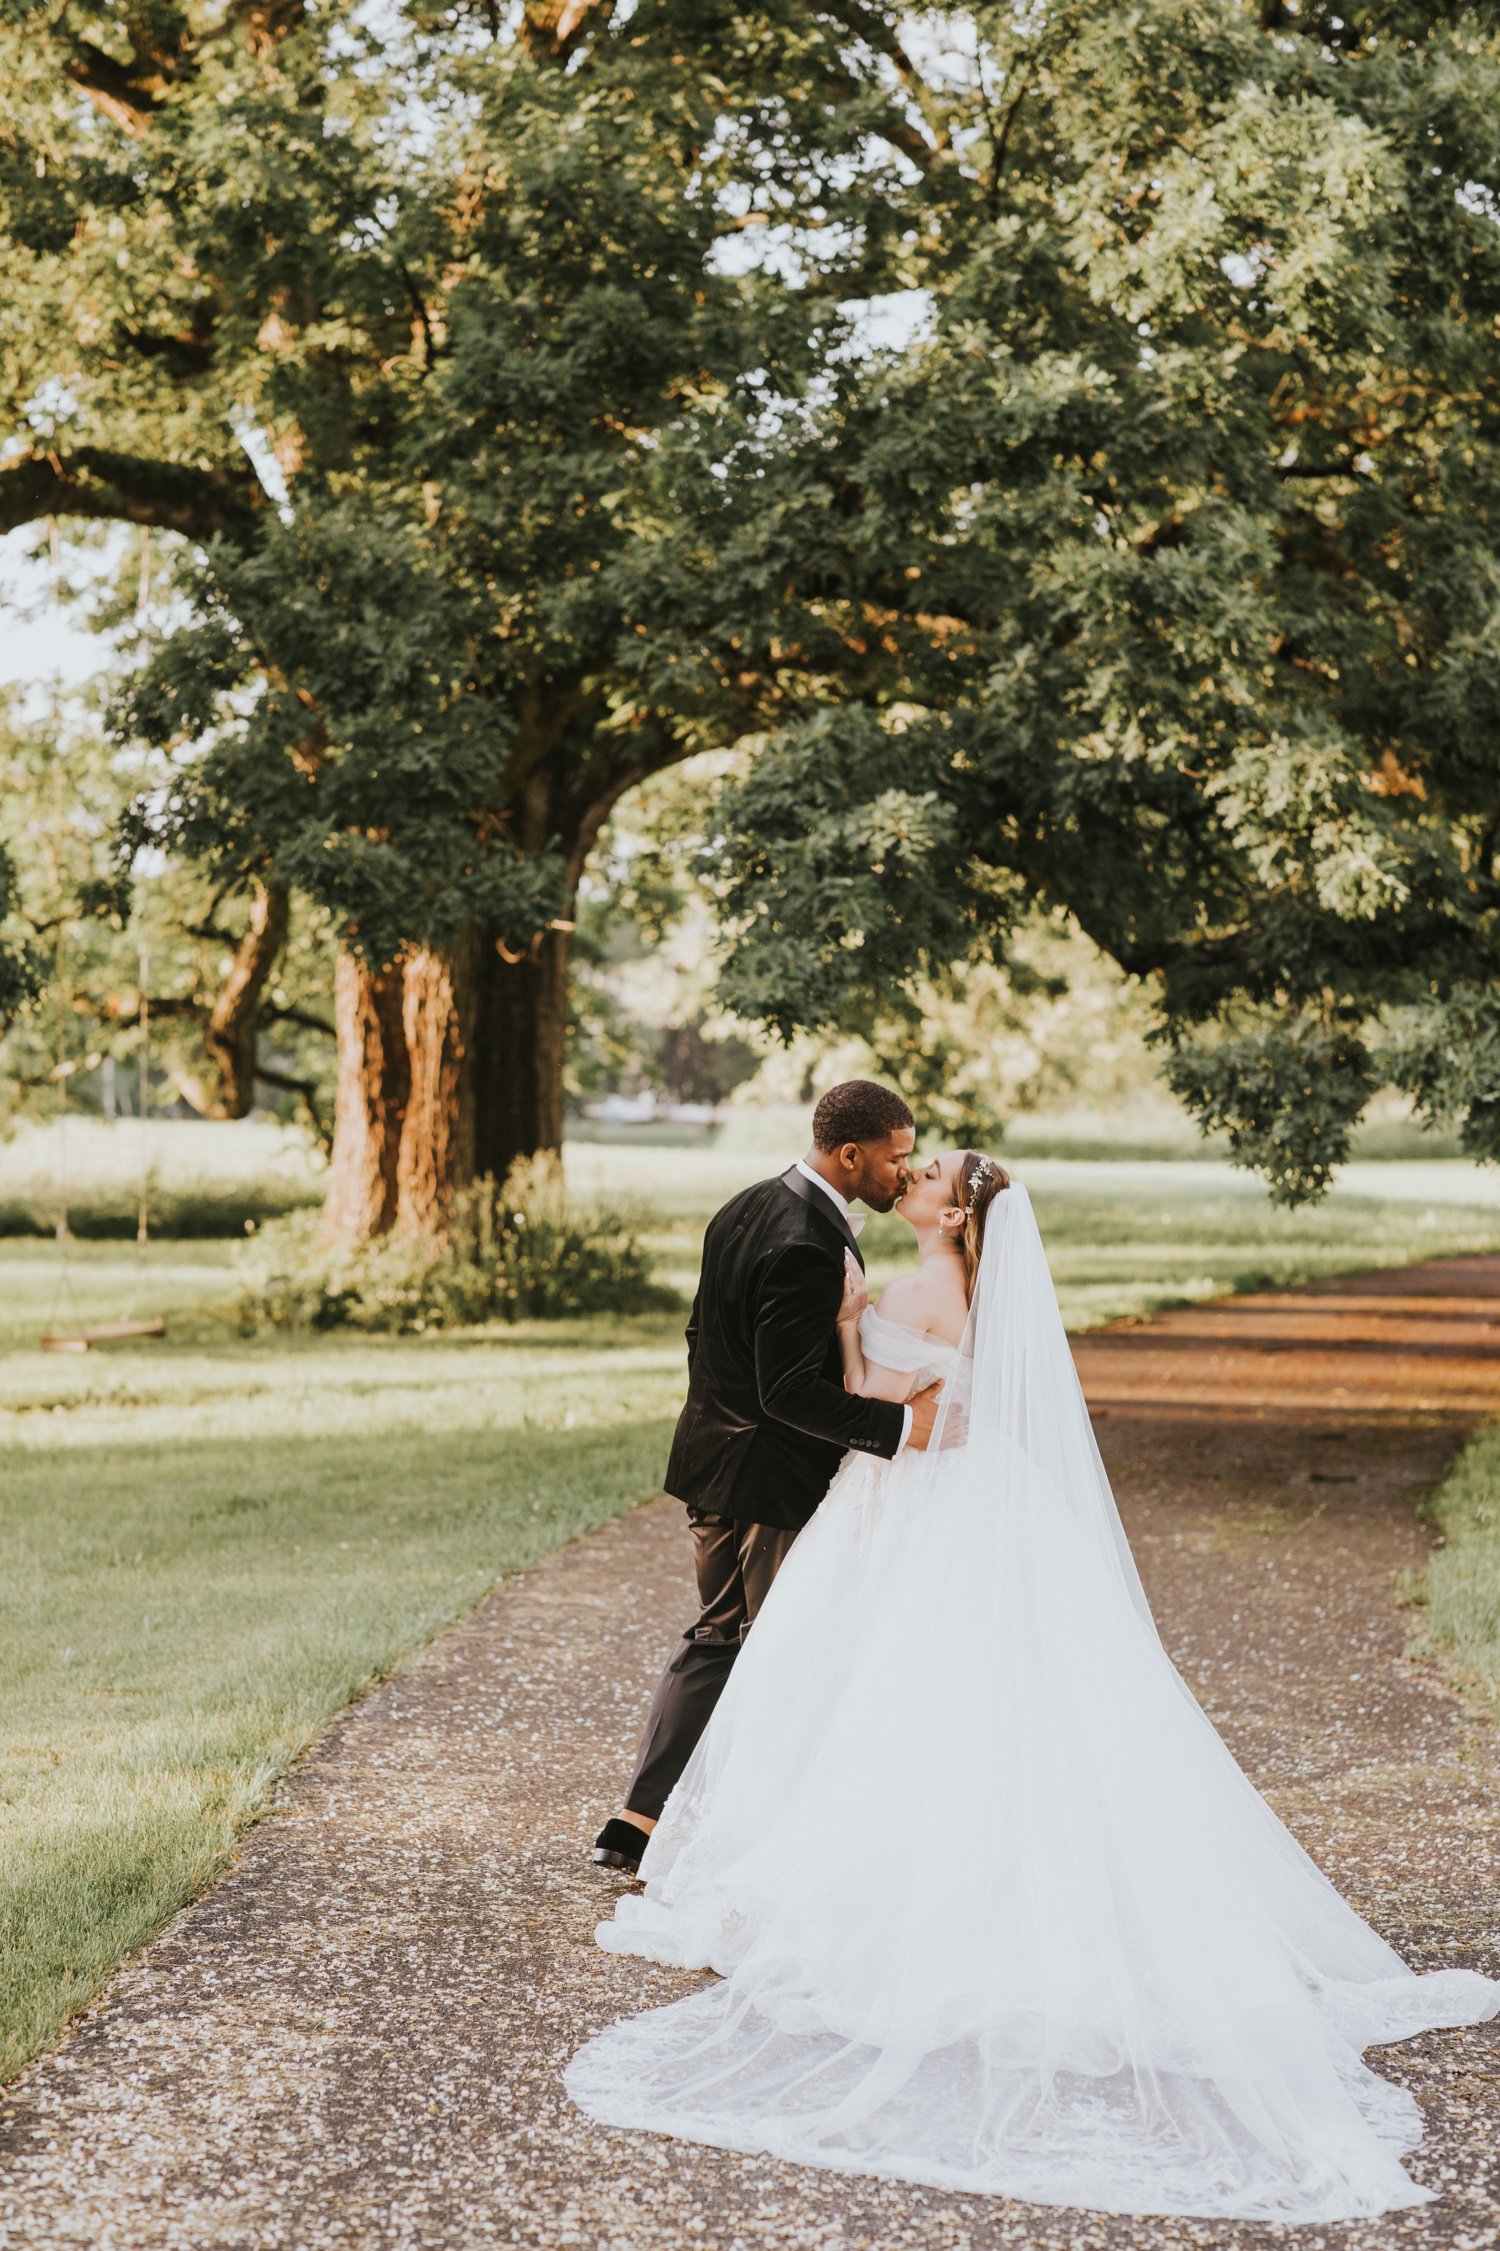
x,y
734,1565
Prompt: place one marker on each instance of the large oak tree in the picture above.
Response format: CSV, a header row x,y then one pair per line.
x,y
472,284
1155,578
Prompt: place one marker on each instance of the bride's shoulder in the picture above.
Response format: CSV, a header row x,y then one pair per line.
x,y
931,1302
898,1303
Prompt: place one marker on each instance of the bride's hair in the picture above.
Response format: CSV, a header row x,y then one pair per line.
x,y
980,1180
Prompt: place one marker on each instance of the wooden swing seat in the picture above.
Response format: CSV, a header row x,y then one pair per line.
x,y
109,1332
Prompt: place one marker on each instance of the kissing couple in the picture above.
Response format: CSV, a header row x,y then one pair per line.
x,y
992,1906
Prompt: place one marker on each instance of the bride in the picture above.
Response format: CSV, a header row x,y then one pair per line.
x,y
993,1906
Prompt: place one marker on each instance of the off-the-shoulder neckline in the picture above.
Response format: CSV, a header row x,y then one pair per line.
x,y
903,1328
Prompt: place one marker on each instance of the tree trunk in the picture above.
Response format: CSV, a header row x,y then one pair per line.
x,y
226,1087
451,1065
403,1134
522,1024
436,1155
374,1089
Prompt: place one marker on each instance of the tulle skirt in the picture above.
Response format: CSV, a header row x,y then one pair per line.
x,y
994,1907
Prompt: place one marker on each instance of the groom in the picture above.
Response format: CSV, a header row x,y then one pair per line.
x,y
767,1419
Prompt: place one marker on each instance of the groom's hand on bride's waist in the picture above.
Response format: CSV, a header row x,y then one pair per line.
x,y
924,1407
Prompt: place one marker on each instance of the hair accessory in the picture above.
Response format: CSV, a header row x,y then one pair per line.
x,y
982,1171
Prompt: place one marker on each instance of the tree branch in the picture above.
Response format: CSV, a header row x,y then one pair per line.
x,y
422,321
300,1016
882,39
1319,469
308,1089
130,93
127,93
202,503
997,157
158,1004
187,354
263,24
230,1036
552,28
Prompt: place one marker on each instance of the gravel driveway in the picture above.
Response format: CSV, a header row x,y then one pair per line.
x,y
355,2039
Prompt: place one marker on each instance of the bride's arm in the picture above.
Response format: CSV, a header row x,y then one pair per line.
x,y
856,1298
876,1382
866,1377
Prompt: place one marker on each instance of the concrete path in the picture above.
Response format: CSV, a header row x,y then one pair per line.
x,y
355,2039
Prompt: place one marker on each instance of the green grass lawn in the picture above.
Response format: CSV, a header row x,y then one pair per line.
x,y
211,1550
1460,1589
213,1542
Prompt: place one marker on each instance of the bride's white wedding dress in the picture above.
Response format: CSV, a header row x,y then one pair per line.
x,y
995,1909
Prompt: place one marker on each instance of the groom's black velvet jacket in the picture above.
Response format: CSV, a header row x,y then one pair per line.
x,y
767,1418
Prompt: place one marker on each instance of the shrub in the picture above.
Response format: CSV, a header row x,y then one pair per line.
x,y
516,1252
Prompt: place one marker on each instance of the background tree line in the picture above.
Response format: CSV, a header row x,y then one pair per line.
x,y
498,388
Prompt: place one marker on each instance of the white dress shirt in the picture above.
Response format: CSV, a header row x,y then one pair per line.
x,y
854,1221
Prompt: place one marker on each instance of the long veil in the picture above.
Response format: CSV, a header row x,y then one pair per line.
x,y
1018,1406
994,1907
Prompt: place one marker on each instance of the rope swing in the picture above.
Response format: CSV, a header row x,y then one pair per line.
x,y
78,1338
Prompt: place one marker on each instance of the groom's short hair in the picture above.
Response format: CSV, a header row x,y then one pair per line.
x,y
859,1110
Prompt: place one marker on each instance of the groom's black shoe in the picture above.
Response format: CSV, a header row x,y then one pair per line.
x,y
620,1844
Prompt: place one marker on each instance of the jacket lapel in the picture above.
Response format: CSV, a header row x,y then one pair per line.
x,y
823,1206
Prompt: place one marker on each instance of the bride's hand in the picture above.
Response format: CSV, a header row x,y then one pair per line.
x,y
856,1296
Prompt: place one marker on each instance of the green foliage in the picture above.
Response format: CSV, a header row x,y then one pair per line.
x,y
521,1251
85,922
693,1065
469,284
641,990
1153,580
1163,562
374,816
20,962
1448,1057
1286,1100
62,796
974,1045
981,1048
845,871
